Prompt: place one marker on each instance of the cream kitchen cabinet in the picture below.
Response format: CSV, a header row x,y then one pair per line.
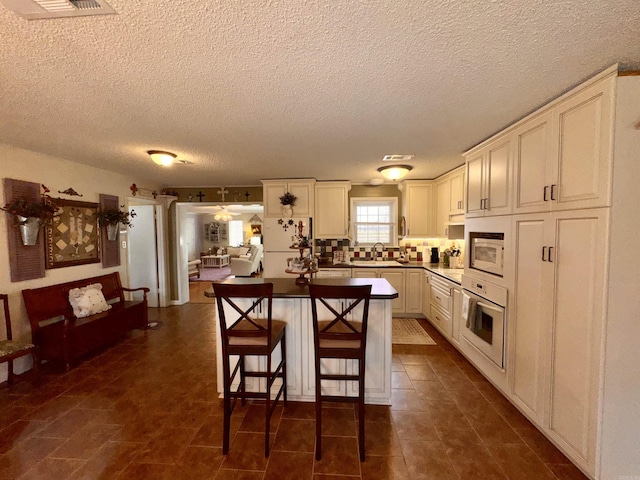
x,y
456,315
488,171
417,207
303,189
555,332
440,298
563,157
331,219
395,276
413,290
426,294
456,191
442,201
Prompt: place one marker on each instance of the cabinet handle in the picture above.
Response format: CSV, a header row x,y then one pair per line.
x,y
482,204
544,253
549,259
553,192
486,203
544,195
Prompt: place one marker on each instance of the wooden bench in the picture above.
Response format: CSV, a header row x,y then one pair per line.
x,y
61,336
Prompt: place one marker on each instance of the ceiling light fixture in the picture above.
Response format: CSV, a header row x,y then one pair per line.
x,y
224,215
395,172
162,158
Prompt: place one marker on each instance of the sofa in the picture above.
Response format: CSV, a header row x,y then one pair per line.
x,y
247,264
194,268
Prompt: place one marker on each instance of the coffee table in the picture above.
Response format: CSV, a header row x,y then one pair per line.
x,y
210,261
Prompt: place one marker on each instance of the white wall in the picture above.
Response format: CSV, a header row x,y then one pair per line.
x,y
57,174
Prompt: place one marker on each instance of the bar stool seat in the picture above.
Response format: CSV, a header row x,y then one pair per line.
x,y
340,317
249,331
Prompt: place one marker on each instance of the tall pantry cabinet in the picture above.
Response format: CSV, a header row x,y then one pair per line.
x,y
573,340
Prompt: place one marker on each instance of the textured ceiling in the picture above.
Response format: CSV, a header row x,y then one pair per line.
x,y
301,88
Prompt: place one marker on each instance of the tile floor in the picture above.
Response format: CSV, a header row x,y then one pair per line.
x,y
147,408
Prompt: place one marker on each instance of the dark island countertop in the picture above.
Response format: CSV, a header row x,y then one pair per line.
x,y
381,289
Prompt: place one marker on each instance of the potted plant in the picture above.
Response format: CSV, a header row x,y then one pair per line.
x,y
288,201
111,217
31,214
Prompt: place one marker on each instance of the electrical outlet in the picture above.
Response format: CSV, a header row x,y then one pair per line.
x,y
124,244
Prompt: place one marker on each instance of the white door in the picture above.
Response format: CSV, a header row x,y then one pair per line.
x,y
143,252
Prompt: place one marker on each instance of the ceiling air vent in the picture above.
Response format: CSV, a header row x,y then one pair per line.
x,y
39,9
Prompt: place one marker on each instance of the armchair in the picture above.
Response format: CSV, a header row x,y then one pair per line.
x,y
244,267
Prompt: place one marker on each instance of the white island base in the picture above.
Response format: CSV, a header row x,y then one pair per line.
x,y
291,304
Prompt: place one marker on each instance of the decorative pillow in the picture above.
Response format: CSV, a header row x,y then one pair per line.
x,y
88,300
237,251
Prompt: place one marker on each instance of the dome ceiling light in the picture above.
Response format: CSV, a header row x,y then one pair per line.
x,y
395,172
162,158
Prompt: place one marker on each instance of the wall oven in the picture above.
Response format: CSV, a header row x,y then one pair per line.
x,y
486,252
484,317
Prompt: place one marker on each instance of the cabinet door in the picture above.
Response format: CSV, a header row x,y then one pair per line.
x,y
364,273
442,204
271,194
580,240
395,276
497,172
332,210
533,160
426,293
456,314
418,207
584,157
456,197
475,182
530,325
304,191
413,291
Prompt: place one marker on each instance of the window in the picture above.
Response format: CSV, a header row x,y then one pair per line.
x,y
374,220
236,235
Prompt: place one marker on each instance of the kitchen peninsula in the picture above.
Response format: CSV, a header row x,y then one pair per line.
x,y
291,304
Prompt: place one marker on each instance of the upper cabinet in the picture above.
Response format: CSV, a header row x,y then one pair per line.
x,y
302,189
417,207
442,198
331,219
456,189
488,178
448,197
563,156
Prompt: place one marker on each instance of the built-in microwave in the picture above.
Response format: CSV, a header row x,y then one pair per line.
x,y
486,252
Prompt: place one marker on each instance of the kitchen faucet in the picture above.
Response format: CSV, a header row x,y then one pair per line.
x,y
375,249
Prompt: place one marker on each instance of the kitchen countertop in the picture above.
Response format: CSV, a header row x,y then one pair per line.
x,y
452,274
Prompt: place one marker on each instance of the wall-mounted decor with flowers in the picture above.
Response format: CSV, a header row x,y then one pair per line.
x,y
288,201
30,215
110,218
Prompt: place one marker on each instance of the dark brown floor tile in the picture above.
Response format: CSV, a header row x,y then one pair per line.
x,y
55,407
68,424
200,463
108,462
224,474
396,364
413,426
429,389
150,471
480,470
338,422
254,420
408,400
546,450
166,446
53,468
18,432
427,460
339,456
413,359
210,433
295,435
300,410
389,468
317,476
567,471
86,441
20,459
519,462
497,431
246,452
381,439
289,466
400,380
377,413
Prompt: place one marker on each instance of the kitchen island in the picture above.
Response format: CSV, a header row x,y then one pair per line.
x,y
291,303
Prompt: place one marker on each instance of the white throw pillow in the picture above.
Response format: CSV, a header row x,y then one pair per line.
x,y
88,300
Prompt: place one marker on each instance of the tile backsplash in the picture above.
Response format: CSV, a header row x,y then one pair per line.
x,y
413,248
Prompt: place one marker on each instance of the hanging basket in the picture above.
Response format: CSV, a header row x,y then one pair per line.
x,y
287,210
29,228
112,232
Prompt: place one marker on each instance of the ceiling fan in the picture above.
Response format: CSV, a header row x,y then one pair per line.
x,y
224,215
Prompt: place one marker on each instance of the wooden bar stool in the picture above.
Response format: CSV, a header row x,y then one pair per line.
x,y
10,350
247,329
340,316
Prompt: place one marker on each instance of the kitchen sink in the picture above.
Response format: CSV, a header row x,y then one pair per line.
x,y
373,263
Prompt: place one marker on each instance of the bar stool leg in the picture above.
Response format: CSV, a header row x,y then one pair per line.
x,y
283,355
318,410
227,405
361,408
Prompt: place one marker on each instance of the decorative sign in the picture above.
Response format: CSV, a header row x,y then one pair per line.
x,y
73,236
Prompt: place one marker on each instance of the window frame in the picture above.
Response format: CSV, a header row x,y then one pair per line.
x,y
392,201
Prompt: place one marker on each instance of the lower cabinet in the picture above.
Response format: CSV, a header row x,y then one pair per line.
x,y
426,294
413,290
395,276
557,319
440,299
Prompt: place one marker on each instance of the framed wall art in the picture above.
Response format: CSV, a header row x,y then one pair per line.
x,y
73,238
